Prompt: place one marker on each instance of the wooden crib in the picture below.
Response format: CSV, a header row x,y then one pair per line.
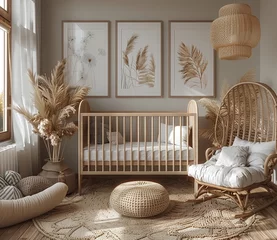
x,y
136,143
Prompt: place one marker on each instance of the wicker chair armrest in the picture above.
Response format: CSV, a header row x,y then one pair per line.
x,y
210,152
269,165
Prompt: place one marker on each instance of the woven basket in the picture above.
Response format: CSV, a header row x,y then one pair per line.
x,y
139,199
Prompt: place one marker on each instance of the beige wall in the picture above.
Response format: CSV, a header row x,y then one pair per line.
x,y
54,11
268,46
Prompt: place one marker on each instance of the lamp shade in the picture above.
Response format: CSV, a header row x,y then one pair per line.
x,y
235,32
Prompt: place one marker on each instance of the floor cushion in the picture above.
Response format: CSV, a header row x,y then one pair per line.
x,y
16,211
33,184
10,193
8,189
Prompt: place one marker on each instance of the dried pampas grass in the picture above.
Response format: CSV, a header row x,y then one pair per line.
x,y
55,102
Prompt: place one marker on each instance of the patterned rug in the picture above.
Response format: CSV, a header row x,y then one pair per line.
x,y
92,218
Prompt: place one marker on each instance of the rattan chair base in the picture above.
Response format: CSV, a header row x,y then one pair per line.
x,y
239,196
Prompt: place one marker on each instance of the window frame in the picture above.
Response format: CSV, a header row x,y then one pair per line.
x,y
5,23
6,14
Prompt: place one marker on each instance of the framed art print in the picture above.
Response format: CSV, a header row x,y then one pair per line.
x,y
86,49
191,60
139,59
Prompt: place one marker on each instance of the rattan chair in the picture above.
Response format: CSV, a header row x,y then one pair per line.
x,y
248,112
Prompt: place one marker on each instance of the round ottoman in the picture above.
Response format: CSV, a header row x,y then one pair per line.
x,y
139,199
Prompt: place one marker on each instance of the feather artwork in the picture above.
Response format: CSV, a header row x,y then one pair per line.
x,y
129,48
138,71
193,65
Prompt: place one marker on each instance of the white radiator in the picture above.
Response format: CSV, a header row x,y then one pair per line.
x,y
8,159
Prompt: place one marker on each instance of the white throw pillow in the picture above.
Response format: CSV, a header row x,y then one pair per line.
x,y
175,135
162,136
259,147
115,137
233,156
258,151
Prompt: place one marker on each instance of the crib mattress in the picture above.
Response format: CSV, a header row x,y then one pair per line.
x,y
138,151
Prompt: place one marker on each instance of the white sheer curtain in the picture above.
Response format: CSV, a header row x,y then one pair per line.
x,y
25,55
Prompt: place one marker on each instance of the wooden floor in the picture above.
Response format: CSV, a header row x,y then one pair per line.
x,y
265,228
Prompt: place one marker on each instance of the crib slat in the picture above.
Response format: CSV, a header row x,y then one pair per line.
x,y
103,152
117,156
138,131
110,144
187,139
159,167
131,142
166,142
145,142
95,129
88,143
173,142
180,147
124,143
152,143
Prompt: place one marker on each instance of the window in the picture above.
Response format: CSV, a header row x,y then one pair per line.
x,y
5,96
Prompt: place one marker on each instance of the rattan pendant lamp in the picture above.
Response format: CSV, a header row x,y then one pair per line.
x,y
235,32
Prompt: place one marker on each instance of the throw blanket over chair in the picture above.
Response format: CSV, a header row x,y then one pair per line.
x,y
245,132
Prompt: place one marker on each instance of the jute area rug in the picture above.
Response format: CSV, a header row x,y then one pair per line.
x,y
92,217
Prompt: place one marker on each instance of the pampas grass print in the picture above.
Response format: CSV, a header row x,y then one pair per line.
x,y
142,70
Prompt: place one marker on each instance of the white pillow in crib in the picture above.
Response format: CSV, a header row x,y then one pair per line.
x,y
233,156
175,135
115,137
163,132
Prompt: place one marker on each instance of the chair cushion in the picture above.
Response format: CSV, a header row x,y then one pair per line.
x,y
233,177
233,156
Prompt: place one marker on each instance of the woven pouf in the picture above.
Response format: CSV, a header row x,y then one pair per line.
x,y
139,199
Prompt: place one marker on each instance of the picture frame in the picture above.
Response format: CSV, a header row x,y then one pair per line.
x,y
139,59
86,47
191,59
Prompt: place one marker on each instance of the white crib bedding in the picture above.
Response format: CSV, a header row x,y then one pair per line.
x,y
158,153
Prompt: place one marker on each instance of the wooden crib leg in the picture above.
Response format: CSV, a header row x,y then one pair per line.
x,y
80,177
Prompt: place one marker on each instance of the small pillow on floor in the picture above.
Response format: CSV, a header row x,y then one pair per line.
x,y
12,177
10,193
3,183
33,184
